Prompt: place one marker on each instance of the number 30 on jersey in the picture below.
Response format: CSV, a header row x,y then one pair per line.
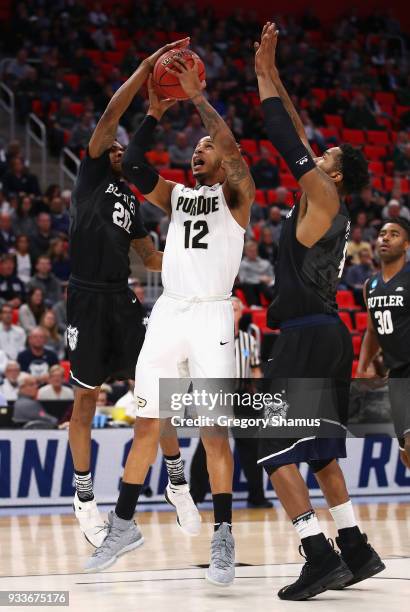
x,y
385,322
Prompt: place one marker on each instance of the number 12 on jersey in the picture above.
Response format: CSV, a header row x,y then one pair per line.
x,y
193,240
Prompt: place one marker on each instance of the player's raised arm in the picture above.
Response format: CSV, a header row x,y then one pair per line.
x,y
135,167
322,196
370,343
106,129
239,188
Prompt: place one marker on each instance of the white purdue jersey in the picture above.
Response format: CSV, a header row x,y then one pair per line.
x,y
204,244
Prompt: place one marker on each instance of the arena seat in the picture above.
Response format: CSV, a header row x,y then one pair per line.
x,y
273,197
355,137
268,146
400,110
390,182
345,300
377,137
260,197
376,167
289,181
77,108
15,316
66,367
95,55
375,152
249,145
319,93
357,343
330,132
346,319
259,317
377,183
173,174
113,57
73,80
361,321
334,121
240,294
385,97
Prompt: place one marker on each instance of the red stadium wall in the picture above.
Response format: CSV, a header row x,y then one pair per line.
x,y
328,11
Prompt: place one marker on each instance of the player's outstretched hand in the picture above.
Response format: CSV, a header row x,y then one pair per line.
x,y
157,106
178,44
266,50
187,76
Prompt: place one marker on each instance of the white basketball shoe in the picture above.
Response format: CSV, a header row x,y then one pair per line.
x,y
188,517
90,520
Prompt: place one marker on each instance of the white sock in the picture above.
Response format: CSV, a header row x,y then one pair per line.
x,y
307,524
343,515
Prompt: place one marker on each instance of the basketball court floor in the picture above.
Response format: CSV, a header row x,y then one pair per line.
x,y
47,552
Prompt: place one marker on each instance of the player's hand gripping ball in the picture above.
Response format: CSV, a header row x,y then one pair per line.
x,y
167,85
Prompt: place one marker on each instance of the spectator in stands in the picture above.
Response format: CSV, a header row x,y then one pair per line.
x,y
60,219
128,400
23,216
158,156
167,133
255,275
60,311
267,248
265,173
26,407
56,389
62,121
356,244
81,133
7,237
103,39
180,153
97,17
314,135
60,261
17,180
315,111
45,280
336,104
369,232
23,259
36,359
359,116
402,161
9,387
54,341
12,290
12,337
357,274
394,210
81,64
194,130
274,223
151,215
41,238
30,313
18,69
369,202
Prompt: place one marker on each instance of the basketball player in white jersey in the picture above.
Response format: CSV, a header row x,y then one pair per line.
x,y
192,322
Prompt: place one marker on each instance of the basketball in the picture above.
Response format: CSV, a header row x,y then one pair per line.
x,y
166,84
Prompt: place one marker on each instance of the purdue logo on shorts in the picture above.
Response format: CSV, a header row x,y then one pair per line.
x,y
141,402
72,337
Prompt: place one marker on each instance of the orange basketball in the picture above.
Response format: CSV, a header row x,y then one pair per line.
x,y
167,85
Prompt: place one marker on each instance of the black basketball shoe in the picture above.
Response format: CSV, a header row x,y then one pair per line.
x,y
361,559
324,569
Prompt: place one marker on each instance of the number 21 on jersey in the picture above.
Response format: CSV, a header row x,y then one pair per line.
x,y
122,217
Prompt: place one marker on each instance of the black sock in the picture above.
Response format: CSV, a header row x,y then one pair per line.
x,y
175,469
350,537
316,546
127,500
222,509
84,485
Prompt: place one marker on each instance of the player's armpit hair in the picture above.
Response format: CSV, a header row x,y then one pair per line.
x,y
134,165
354,168
283,136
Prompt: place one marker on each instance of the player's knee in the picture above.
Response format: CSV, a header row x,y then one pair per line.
x,y
147,430
84,406
319,464
216,445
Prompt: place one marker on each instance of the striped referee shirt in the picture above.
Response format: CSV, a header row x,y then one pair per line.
x,y
246,354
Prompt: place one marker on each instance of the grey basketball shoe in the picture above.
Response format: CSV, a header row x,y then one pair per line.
x,y
221,570
122,537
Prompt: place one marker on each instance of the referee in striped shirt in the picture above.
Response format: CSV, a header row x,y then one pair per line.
x,y
247,366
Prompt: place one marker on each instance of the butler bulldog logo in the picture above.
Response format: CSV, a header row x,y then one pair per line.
x,y
72,337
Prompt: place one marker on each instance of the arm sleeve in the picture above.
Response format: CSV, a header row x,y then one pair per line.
x,y
135,167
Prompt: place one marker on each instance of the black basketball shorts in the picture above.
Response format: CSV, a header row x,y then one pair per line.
x,y
399,393
310,371
105,334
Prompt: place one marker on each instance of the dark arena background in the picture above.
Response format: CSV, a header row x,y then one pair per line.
x,y
346,67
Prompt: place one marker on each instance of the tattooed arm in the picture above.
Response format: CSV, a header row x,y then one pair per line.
x,y
239,188
145,248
